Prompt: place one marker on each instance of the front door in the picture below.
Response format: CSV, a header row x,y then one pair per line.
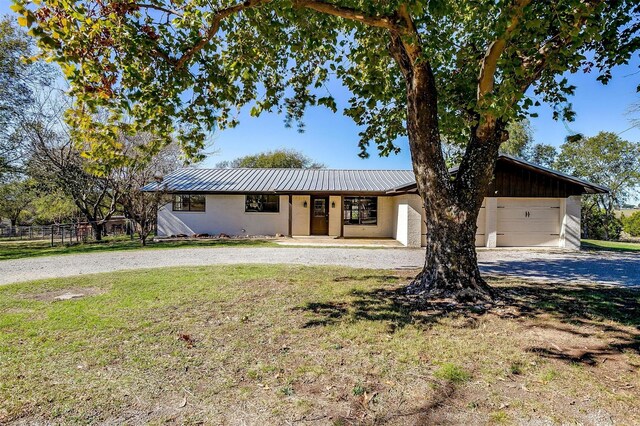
x,y
319,215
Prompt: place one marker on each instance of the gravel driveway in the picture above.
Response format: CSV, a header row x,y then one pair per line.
x,y
607,268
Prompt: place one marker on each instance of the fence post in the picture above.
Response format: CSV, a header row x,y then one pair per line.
x,y
62,235
51,235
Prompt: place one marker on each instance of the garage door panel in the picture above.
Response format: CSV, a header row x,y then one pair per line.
x,y
528,202
527,239
528,222
550,226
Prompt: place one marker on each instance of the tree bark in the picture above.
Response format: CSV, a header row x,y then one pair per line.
x,y
451,205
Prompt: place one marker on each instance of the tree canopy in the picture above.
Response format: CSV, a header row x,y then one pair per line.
x,y
279,159
186,68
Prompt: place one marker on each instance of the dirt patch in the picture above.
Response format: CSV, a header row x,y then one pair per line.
x,y
65,294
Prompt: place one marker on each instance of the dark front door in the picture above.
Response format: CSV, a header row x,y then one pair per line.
x,y
319,215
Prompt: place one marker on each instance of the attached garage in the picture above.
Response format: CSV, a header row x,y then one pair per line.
x,y
531,206
530,222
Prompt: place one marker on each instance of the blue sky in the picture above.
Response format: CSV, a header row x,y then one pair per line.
x,y
333,138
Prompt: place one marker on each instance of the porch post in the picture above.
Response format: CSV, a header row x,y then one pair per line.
x,y
341,217
290,215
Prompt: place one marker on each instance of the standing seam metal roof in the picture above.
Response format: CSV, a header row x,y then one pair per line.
x,y
282,180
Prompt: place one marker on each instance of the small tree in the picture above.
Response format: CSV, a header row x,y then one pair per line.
x,y
278,159
137,171
631,224
15,197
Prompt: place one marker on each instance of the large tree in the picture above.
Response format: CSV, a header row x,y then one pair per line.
x,y
278,159
609,160
55,163
443,69
18,80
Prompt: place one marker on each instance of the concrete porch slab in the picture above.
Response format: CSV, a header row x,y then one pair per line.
x,y
325,241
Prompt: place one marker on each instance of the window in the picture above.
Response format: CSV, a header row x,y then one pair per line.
x,y
360,210
188,203
262,203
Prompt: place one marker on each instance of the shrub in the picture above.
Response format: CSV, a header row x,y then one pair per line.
x,y
631,224
597,225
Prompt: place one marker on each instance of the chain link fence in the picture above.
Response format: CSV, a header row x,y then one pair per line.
x,y
65,233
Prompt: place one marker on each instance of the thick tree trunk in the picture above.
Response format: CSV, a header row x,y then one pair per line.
x,y
452,206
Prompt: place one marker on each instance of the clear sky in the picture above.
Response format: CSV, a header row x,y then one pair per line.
x,y
333,138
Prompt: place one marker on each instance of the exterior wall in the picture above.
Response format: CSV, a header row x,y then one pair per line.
x,y
335,216
224,214
385,226
408,220
571,223
301,216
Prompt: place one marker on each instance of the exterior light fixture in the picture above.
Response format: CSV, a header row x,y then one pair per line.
x,y
305,205
333,204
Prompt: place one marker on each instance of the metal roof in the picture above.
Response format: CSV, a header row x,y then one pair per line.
x,y
246,180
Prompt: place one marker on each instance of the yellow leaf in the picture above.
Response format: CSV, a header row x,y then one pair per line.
x,y
22,21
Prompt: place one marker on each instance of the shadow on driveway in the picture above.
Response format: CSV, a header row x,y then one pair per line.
x,y
621,270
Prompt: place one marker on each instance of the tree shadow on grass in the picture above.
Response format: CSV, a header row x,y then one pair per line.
x,y
582,310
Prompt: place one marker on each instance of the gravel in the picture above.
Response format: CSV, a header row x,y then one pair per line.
x,y
607,268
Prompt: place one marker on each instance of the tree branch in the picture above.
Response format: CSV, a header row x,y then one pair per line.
x,y
158,7
489,64
387,22
215,25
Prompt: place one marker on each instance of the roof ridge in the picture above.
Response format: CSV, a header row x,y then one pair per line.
x,y
294,168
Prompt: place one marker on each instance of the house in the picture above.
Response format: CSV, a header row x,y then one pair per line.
x,y
526,205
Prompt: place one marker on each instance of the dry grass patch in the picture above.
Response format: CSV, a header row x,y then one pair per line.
x,y
278,345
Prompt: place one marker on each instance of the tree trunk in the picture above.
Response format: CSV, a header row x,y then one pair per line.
x,y
98,229
451,265
451,206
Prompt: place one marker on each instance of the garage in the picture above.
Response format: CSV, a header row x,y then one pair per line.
x,y
528,222
527,205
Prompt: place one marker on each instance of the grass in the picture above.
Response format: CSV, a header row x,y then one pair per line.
x,y
285,344
25,249
610,245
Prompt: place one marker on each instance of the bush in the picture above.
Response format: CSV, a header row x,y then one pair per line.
x,y
597,225
631,224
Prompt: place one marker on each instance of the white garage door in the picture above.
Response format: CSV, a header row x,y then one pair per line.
x,y
528,222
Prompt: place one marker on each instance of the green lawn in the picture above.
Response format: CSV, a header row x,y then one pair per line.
x,y
284,344
19,249
610,245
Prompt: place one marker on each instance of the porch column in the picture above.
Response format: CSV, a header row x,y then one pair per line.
x,y
290,215
491,222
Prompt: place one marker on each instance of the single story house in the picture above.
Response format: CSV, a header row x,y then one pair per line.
x,y
526,205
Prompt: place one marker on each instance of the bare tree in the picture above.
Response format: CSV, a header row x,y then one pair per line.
x,y
138,170
55,161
